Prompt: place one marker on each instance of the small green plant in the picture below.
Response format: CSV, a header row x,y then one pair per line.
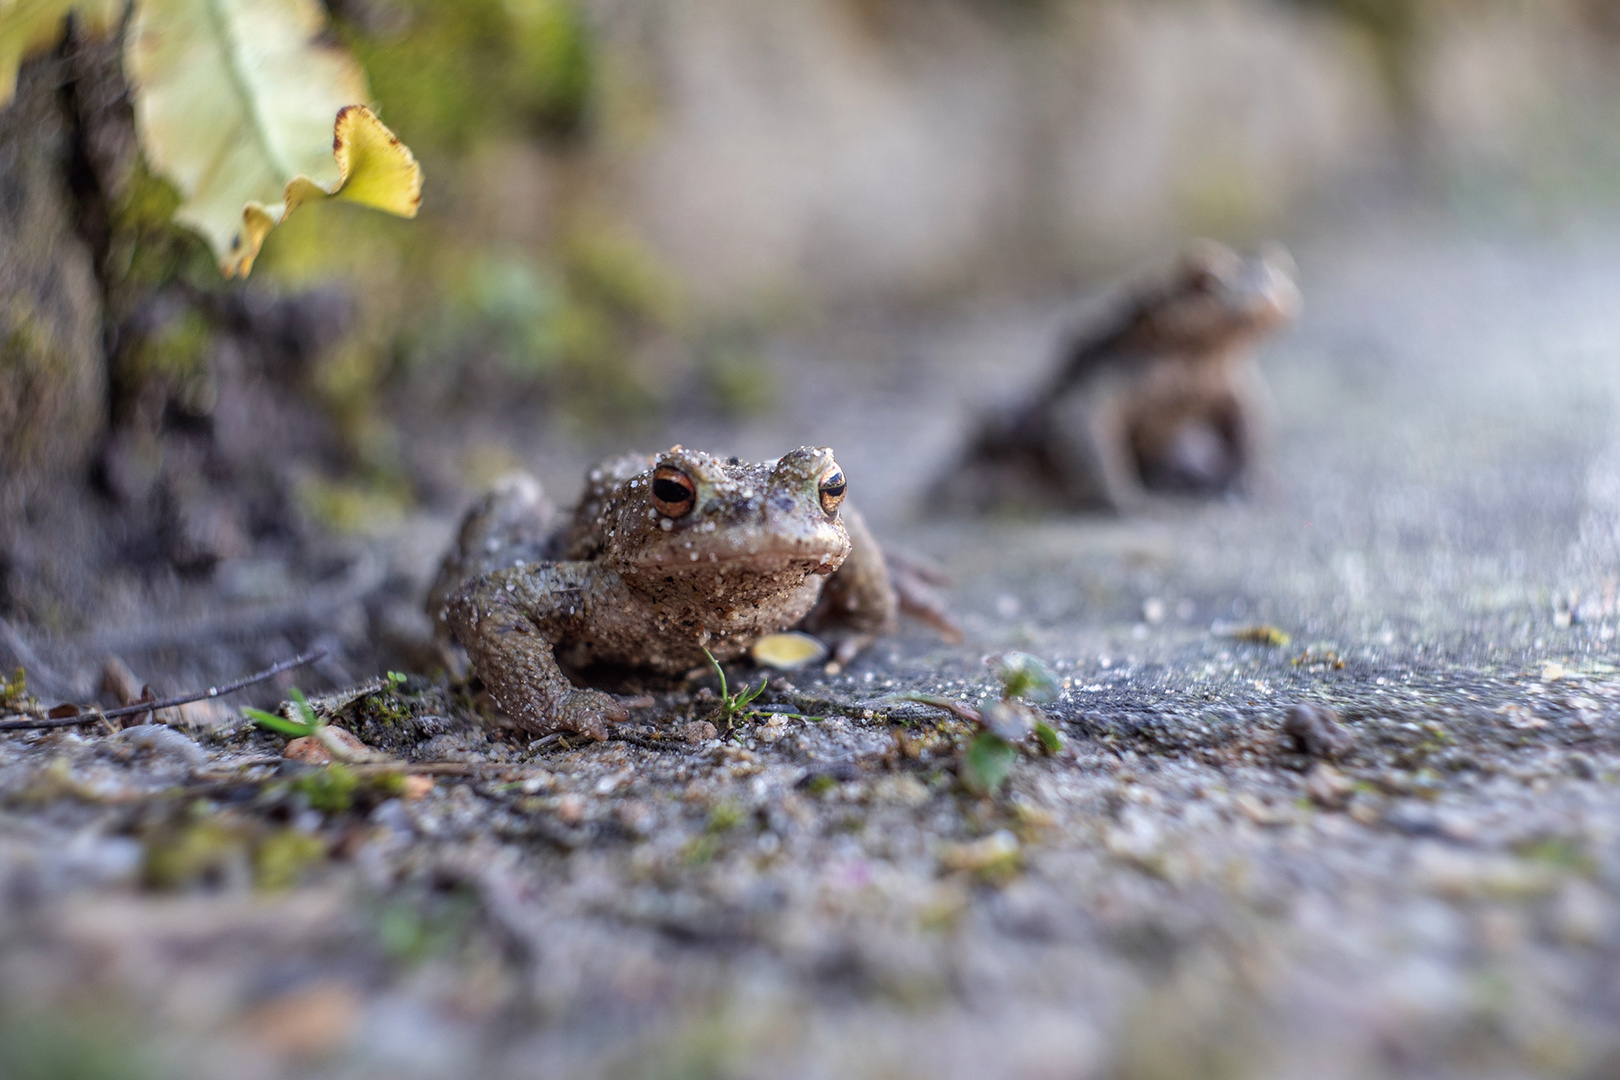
x,y
396,679
733,705
14,689
987,763
1025,677
988,759
293,729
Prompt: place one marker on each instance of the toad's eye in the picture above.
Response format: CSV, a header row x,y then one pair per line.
x,y
832,488
673,492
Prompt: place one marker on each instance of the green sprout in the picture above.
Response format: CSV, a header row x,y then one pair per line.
x,y
14,691
1003,722
732,705
1024,676
987,763
293,729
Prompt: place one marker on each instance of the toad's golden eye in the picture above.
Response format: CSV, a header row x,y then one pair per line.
x,y
673,492
832,488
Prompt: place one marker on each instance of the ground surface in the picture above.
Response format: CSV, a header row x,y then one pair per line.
x,y
1177,892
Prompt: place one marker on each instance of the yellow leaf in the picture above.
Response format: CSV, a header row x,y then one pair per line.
x,y
788,650
250,114
30,26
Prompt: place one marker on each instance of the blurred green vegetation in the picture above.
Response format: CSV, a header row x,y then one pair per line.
x,y
518,286
1393,29
72,1046
454,71
515,286
513,283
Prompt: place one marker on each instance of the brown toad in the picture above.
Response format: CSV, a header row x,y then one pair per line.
x,y
665,555
1163,395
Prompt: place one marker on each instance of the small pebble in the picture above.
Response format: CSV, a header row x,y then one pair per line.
x,y
308,749
1328,787
164,740
997,852
698,732
413,787
1315,730
571,809
1581,766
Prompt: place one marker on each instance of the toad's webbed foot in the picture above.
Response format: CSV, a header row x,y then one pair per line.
x,y
589,712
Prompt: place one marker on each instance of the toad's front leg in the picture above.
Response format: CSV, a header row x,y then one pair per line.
x,y
509,621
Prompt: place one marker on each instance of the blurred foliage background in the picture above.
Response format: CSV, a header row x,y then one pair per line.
x,y
625,196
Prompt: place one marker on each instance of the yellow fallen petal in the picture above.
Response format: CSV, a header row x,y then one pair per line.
x,y
788,650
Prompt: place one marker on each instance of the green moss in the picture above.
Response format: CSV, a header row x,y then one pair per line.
x,y
281,858
1559,852
36,376
821,783
700,850
177,356
209,851
390,710
554,69
725,817
355,508
330,790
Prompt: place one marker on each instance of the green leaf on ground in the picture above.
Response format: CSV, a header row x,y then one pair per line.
x,y
250,114
1050,740
278,724
987,763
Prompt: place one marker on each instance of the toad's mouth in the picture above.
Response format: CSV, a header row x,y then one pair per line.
x,y
745,556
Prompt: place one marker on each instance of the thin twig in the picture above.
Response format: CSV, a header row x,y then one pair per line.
x,y
442,768
652,740
95,715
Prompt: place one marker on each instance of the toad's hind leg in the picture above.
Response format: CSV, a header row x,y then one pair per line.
x,y
510,525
